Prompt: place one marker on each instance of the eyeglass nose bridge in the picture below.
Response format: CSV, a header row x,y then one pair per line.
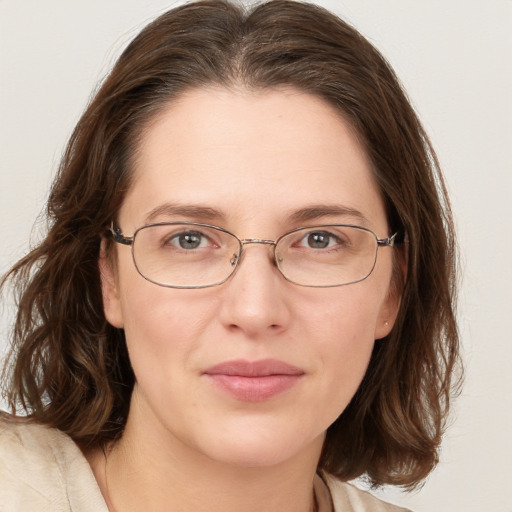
x,y
246,241
236,258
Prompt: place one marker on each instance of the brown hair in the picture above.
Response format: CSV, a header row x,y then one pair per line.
x,y
70,368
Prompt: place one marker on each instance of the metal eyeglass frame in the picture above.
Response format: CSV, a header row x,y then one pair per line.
x,y
119,238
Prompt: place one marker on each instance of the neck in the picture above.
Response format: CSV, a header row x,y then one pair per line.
x,y
148,470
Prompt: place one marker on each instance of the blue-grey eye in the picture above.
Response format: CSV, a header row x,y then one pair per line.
x,y
189,240
319,239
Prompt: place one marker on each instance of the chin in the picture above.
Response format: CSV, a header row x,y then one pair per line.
x,y
254,457
257,448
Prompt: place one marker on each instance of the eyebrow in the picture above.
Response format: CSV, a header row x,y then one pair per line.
x,y
319,211
193,211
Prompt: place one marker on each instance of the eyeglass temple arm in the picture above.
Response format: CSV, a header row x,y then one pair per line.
x,y
389,241
118,236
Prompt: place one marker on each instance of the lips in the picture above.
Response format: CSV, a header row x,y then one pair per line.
x,y
254,381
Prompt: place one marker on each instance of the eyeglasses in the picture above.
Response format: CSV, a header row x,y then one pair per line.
x,y
195,255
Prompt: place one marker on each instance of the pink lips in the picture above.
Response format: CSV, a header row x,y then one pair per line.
x,y
254,381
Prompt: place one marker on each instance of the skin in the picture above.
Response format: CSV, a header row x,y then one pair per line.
x,y
255,158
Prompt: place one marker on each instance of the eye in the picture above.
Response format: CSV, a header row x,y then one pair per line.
x,y
320,240
188,240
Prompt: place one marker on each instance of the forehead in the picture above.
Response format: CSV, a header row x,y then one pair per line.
x,y
251,154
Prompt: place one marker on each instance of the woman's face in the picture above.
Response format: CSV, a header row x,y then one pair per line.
x,y
258,164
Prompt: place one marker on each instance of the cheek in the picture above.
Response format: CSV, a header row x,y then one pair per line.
x,y
343,318
347,341
341,330
163,326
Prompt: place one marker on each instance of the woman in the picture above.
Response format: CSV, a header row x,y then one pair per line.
x,y
245,297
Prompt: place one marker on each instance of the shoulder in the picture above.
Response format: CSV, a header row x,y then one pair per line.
x,y
347,497
42,469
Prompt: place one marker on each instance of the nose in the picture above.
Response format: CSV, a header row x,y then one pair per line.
x,y
255,300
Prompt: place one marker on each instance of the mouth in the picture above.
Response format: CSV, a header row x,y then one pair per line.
x,y
254,381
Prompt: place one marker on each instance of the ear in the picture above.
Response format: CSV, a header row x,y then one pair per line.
x,y
391,305
388,313
109,289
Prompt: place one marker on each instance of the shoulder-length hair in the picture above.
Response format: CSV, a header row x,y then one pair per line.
x,y
69,368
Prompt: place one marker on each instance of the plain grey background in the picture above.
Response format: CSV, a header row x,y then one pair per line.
x,y
455,60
